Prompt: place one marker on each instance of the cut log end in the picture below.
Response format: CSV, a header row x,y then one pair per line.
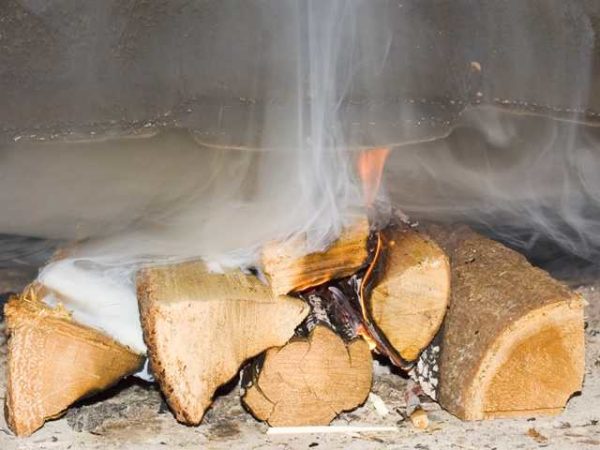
x,y
289,270
310,381
52,362
200,327
535,366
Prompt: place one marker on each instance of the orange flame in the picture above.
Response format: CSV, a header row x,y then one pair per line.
x,y
370,169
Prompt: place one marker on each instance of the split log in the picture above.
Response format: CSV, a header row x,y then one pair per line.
x,y
513,339
309,381
290,270
53,361
200,327
406,306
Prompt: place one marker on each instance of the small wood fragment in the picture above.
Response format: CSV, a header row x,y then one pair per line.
x,y
53,361
419,419
310,381
537,436
513,339
200,327
290,270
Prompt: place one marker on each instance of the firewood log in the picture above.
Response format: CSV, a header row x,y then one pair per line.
x,y
513,338
200,327
290,270
405,293
309,381
53,361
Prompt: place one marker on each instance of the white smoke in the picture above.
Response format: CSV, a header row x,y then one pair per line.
x,y
524,178
167,198
324,79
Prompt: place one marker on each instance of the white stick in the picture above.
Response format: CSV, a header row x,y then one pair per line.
x,y
331,429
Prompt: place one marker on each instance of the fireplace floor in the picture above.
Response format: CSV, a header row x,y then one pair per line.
x,y
133,415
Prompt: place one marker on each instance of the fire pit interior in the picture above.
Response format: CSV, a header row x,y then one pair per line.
x,y
347,222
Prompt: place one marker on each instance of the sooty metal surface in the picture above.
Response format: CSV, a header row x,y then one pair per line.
x,y
70,67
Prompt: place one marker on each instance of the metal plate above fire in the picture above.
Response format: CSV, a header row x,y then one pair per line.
x,y
228,69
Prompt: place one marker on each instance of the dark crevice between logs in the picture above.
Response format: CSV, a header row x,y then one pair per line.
x,y
344,304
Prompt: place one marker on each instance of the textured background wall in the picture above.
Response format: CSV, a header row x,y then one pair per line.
x,y
209,65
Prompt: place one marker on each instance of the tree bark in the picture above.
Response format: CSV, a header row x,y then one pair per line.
x,y
513,338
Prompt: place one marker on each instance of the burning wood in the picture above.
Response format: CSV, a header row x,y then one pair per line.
x,y
52,362
513,340
200,327
509,329
405,293
397,304
289,270
309,381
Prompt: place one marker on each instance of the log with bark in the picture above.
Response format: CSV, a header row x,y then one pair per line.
x,y
289,269
513,338
200,327
309,381
53,361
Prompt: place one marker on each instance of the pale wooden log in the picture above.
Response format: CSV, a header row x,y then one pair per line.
x,y
53,361
309,381
200,327
513,339
290,270
409,299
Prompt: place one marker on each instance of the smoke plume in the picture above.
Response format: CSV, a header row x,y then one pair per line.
x,y
487,111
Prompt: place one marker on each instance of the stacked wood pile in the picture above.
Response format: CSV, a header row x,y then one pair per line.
x,y
481,329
